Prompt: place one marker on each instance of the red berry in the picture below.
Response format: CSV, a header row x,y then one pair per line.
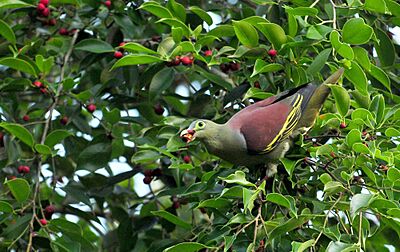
x,y
257,84
147,180
63,31
26,118
38,84
43,90
343,125
272,53
333,155
176,204
23,169
64,120
91,108
122,44
148,173
43,222
158,109
118,54
46,12
208,53
224,68
49,210
157,172
234,66
44,2
186,60
107,4
40,7
52,22
1,139
187,159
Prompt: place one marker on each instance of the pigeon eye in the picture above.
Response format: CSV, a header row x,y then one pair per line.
x,y
201,124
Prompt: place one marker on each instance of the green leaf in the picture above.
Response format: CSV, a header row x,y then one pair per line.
x,y
337,246
342,99
94,156
7,32
377,106
112,116
6,207
222,31
385,49
215,79
381,76
356,32
288,226
161,81
94,46
262,67
392,132
285,201
19,188
378,6
136,47
55,137
246,33
67,227
156,9
354,136
393,174
187,247
135,59
19,132
176,23
172,218
217,203
19,65
361,56
202,14
361,148
319,62
289,165
177,9
333,187
43,149
274,33
256,93
302,11
293,26
325,178
343,49
238,178
359,202
302,246
357,76
13,4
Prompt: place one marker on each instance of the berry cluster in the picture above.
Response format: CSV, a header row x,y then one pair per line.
x,y
42,8
185,60
41,86
231,66
150,174
24,169
120,53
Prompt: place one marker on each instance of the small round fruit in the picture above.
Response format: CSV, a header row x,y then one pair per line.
x,y
224,68
234,66
43,222
147,180
272,53
186,60
158,109
257,85
40,7
343,125
43,90
148,173
64,120
107,4
176,61
187,159
91,108
26,118
63,31
38,84
50,209
176,205
122,44
208,53
52,22
118,54
157,172
44,2
46,12
23,169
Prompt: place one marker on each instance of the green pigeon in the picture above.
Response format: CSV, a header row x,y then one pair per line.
x,y
263,132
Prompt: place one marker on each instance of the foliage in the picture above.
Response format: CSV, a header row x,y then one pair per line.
x,y
337,190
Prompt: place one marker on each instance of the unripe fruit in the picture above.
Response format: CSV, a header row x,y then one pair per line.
x,y
38,84
44,2
234,66
40,7
91,108
343,125
187,159
158,109
23,169
186,60
26,118
208,53
118,54
43,222
147,180
63,31
64,120
107,4
272,53
46,12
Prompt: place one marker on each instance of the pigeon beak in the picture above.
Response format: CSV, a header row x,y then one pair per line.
x,y
187,135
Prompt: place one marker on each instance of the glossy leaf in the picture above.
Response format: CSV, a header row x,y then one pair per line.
x,y
356,32
94,46
274,33
246,33
19,132
7,32
18,64
135,60
172,218
19,188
